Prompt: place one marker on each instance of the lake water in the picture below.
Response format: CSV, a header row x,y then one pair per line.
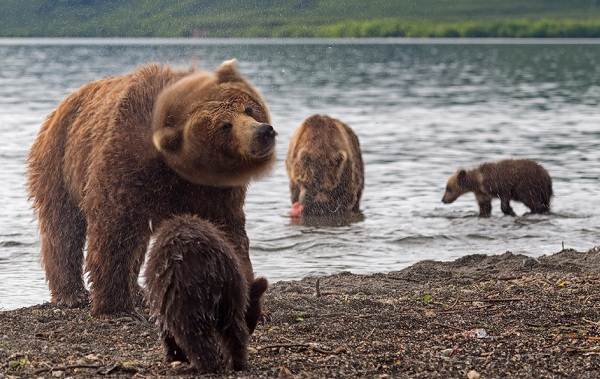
x,y
420,108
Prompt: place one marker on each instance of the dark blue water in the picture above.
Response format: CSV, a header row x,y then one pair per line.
x,y
421,110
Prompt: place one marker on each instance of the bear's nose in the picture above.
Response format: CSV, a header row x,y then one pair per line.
x,y
266,131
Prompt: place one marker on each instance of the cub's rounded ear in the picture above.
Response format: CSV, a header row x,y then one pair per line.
x,y
227,72
462,178
258,287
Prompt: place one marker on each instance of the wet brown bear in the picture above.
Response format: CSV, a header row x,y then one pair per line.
x,y
123,153
512,179
198,293
325,168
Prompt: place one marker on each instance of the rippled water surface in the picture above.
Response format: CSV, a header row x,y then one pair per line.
x,y
420,111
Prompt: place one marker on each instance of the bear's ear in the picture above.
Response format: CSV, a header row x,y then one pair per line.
x,y
341,158
167,139
303,157
462,178
227,72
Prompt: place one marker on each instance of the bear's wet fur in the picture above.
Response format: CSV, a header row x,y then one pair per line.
x,y
512,179
123,153
325,167
198,294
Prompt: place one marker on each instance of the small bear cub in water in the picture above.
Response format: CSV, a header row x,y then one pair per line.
x,y
513,179
199,295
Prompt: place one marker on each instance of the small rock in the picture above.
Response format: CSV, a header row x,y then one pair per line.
x,y
175,364
473,375
285,373
529,262
57,373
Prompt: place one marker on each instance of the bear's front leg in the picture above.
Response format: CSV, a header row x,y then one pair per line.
x,y
485,205
116,248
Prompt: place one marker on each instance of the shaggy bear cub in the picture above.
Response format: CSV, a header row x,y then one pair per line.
x,y
199,295
513,179
325,168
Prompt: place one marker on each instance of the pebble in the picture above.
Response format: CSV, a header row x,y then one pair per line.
x,y
529,262
58,373
473,375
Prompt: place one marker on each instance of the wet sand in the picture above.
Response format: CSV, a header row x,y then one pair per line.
x,y
479,316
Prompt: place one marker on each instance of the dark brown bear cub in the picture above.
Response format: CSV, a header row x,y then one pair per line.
x,y
197,290
512,179
325,168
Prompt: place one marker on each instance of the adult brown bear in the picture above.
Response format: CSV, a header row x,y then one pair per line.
x,y
123,153
325,168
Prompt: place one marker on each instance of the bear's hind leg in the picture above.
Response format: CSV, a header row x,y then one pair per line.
x,y
235,338
62,234
172,351
201,347
116,247
505,206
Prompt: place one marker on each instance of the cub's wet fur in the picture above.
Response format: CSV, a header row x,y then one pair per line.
x,y
199,295
513,179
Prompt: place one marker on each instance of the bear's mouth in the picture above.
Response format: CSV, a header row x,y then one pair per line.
x,y
263,150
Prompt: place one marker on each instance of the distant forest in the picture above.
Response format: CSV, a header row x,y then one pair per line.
x,y
300,18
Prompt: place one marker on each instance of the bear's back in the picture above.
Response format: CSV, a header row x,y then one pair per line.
x,y
112,114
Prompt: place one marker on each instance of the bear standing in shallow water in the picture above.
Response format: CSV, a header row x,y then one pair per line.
x,y
126,152
199,295
325,168
512,179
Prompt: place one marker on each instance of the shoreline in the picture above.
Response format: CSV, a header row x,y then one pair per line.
x,y
228,41
500,315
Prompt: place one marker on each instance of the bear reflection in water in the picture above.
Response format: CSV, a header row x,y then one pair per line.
x,y
326,172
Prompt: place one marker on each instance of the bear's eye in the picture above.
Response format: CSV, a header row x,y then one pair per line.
x,y
249,111
226,125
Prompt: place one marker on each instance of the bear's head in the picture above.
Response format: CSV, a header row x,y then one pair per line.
x,y
458,184
320,165
214,129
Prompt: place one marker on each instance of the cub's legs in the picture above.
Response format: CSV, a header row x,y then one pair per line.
x,y
235,338
506,208
172,350
485,205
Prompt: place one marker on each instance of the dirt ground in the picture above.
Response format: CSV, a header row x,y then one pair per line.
x,y
479,316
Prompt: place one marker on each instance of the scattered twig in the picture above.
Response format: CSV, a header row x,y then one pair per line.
x,y
591,322
446,326
64,368
370,334
503,300
317,289
308,346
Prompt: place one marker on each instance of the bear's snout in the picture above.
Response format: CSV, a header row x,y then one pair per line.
x,y
264,139
266,131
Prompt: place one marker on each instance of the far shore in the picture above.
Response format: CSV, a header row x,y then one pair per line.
x,y
482,316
